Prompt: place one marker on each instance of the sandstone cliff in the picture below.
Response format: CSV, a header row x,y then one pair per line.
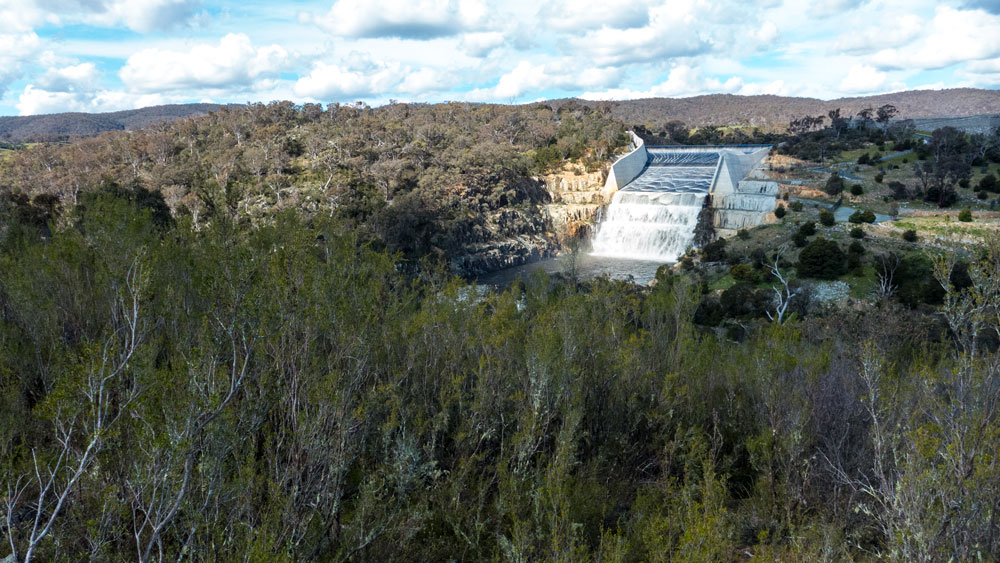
x,y
577,197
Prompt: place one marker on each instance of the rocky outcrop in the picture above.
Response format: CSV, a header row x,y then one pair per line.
x,y
577,197
507,253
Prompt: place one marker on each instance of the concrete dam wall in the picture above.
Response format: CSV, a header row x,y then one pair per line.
x,y
628,167
657,207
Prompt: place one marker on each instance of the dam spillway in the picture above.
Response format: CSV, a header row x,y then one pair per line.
x,y
654,213
654,216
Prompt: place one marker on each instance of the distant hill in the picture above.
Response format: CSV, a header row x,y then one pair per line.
x,y
59,126
774,112
766,112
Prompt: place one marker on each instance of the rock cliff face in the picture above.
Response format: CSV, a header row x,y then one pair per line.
x,y
575,198
505,253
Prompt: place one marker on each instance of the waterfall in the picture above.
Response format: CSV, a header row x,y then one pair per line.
x,y
654,217
655,226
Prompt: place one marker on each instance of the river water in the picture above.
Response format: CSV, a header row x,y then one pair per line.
x,y
587,267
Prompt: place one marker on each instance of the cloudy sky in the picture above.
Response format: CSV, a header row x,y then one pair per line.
x,y
105,55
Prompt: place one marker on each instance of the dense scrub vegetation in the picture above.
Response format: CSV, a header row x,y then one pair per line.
x,y
238,337
282,391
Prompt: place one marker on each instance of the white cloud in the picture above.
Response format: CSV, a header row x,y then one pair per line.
x,y
34,101
481,43
684,81
862,78
828,8
674,30
954,36
424,81
577,15
145,15
520,49
560,75
408,19
992,6
982,74
20,16
775,88
83,76
904,28
767,33
986,66
361,79
137,15
233,62
17,52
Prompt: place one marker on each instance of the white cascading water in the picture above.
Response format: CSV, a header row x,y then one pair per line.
x,y
654,217
654,226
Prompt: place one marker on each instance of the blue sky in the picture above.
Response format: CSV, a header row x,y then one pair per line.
x,y
106,55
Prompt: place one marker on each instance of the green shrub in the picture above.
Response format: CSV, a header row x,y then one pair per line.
x,y
856,189
989,183
547,157
800,239
856,247
743,234
795,206
714,251
736,300
709,312
745,273
879,177
826,218
860,216
857,232
834,185
910,235
965,215
916,283
983,195
853,262
779,211
821,259
808,228
735,332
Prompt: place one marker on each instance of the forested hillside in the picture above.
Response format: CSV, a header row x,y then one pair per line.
x,y
62,126
773,113
452,181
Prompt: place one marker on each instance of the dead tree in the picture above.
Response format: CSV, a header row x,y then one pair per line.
x,y
105,393
887,266
785,293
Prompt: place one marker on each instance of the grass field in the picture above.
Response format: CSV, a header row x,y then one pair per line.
x,y
947,225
